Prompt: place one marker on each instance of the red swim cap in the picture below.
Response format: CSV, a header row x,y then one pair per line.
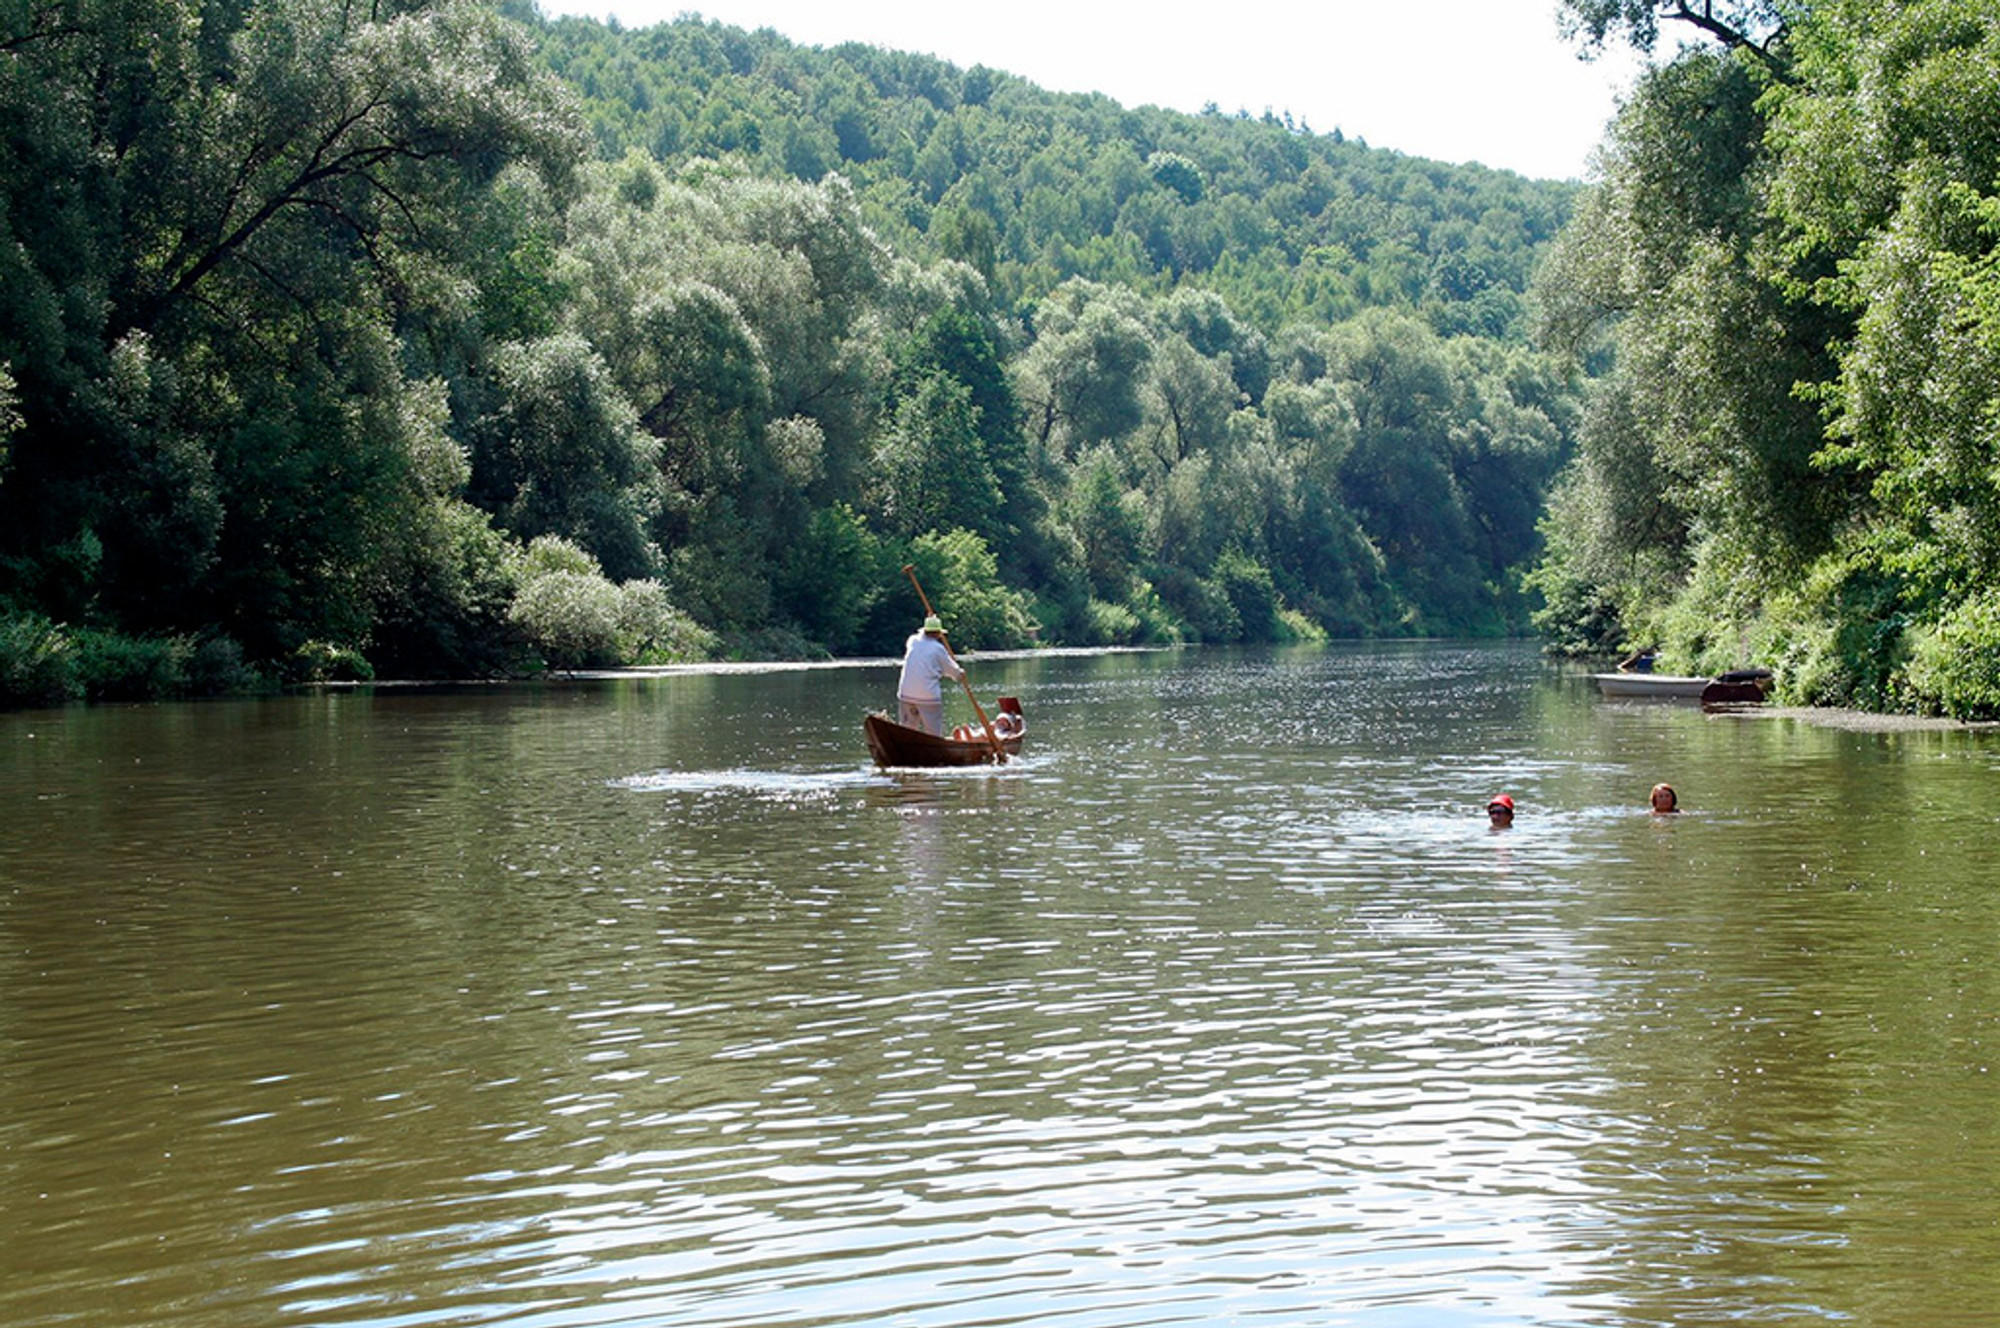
x,y
1501,801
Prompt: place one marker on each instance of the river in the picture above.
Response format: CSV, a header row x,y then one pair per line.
x,y
651,1002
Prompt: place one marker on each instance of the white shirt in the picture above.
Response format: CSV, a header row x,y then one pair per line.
x,y
925,661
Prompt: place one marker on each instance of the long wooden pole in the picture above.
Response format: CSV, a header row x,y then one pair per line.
x,y
999,752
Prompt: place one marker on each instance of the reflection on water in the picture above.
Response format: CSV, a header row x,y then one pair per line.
x,y
653,1002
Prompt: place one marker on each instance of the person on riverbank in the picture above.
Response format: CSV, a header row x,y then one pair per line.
x,y
927,662
1500,812
1665,801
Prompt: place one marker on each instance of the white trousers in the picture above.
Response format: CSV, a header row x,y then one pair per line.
x,y
925,715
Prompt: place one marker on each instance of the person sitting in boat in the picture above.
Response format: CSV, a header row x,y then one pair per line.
x,y
1005,726
1639,661
927,662
1665,801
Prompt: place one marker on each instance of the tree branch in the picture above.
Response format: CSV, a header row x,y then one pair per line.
x,y
325,163
1700,14
44,27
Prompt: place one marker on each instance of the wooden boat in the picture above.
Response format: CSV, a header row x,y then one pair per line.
x,y
1650,684
896,744
1739,686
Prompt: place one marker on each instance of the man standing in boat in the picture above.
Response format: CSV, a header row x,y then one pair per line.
x,y
927,662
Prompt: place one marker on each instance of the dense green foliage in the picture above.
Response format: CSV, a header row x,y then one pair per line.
x,y
428,340
1796,247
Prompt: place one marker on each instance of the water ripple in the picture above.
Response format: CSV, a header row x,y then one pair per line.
x,y
1225,1006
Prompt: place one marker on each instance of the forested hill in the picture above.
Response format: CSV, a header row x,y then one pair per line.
x,y
1032,187
436,338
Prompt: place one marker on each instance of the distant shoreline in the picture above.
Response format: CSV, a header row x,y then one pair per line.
x,y
724,666
862,662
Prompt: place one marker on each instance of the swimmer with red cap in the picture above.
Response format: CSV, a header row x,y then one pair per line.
x,y
1500,811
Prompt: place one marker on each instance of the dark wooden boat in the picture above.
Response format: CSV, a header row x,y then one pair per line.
x,y
1738,687
896,744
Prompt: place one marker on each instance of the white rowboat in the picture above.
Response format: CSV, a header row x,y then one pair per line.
x,y
1650,684
1744,686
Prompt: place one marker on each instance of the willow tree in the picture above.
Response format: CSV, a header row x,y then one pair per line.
x,y
217,220
1697,496
1888,182
1797,233
741,319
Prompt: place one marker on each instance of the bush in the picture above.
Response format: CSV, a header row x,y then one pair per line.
x,y
725,583
216,668
652,631
37,662
962,578
772,643
1954,666
1844,638
1294,626
1110,624
553,553
1055,616
132,668
570,618
575,618
323,661
44,663
1202,604
833,579
442,610
1248,586
1157,625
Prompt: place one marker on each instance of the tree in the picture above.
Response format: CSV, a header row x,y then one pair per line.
x,y
1108,526
318,117
930,470
963,580
1189,401
962,345
1179,175
833,581
735,313
558,452
1214,329
213,217
1886,183
1080,381
312,316
565,607
1756,26
1799,232
10,415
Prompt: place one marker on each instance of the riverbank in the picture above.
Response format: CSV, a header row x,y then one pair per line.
x,y
1864,721
731,666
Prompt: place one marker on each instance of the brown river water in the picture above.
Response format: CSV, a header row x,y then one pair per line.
x,y
651,1002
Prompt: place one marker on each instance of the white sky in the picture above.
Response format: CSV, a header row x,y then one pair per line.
x,y
1490,81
